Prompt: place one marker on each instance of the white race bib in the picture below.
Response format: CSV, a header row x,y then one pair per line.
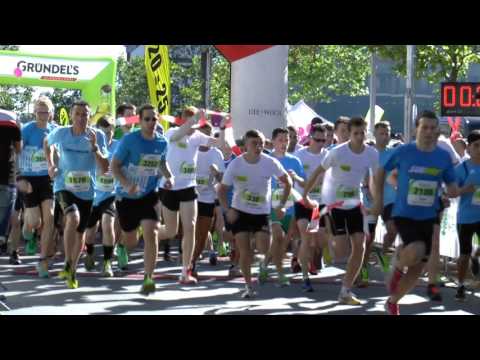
x,y
421,193
39,161
77,181
149,164
346,193
104,183
252,200
187,171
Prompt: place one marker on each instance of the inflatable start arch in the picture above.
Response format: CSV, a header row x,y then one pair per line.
x,y
94,77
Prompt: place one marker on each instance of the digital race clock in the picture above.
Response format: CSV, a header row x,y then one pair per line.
x,y
460,99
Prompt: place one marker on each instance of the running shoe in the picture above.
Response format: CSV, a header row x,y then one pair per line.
x,y
234,271
262,274
42,269
385,261
348,298
89,262
188,279
148,286
364,278
62,275
249,293
461,293
433,292
312,269
212,258
283,280
295,265
107,269
14,259
71,280
30,245
392,309
307,286
122,257
223,249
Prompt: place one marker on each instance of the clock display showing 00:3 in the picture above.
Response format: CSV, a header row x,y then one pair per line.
x,y
460,99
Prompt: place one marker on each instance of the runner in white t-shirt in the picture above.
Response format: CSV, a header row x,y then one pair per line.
x,y
250,174
311,158
346,166
182,157
210,169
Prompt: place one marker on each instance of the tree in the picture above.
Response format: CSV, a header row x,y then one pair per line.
x,y
131,83
434,63
15,98
318,72
63,98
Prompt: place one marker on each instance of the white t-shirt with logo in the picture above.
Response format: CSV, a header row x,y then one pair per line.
x,y
205,180
311,162
182,158
252,187
345,172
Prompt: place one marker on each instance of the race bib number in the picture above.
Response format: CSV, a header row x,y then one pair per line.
x,y
346,193
105,183
187,171
149,164
39,161
421,193
202,181
476,197
277,196
253,200
133,176
77,181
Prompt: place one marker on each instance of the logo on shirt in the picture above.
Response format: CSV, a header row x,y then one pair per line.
x,y
306,167
425,170
182,145
241,178
346,168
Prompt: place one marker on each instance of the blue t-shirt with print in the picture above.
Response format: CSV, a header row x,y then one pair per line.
x,y
469,208
32,159
140,159
105,183
420,175
77,166
289,162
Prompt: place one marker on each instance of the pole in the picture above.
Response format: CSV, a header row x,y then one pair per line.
x,y
206,76
409,93
373,94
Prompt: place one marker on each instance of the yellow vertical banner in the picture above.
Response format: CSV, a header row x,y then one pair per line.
x,y
157,66
64,121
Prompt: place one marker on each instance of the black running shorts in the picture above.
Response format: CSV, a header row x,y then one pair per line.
x,y
107,206
171,199
465,236
344,221
132,211
69,202
416,230
251,223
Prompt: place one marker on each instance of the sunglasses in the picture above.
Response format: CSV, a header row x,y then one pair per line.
x,y
318,140
148,119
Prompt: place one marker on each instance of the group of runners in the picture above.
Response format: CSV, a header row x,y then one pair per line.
x,y
319,201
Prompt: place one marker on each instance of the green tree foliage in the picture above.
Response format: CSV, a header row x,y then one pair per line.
x,y
318,72
132,84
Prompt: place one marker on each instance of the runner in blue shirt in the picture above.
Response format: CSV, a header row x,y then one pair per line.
x,y
36,184
137,163
103,206
422,167
280,227
81,149
468,215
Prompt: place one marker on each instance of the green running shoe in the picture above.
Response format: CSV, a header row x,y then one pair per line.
x,y
148,286
42,269
89,262
283,280
107,269
122,257
71,281
262,274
